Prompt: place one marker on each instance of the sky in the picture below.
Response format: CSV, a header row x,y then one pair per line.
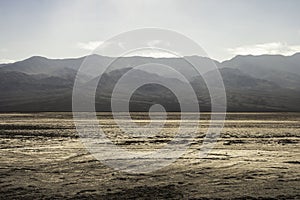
x,y
223,28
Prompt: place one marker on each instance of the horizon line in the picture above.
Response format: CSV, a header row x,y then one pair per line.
x,y
143,56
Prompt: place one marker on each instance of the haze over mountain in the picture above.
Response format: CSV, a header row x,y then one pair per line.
x,y
253,83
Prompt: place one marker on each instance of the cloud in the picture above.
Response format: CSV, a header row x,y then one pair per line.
x,y
5,61
151,53
266,48
90,46
97,45
111,46
155,43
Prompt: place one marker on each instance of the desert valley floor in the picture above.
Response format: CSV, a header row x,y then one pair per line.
x,y
257,156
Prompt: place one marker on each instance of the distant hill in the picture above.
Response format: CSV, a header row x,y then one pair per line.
x,y
282,70
253,83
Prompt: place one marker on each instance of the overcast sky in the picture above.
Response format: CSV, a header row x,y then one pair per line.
x,y
224,28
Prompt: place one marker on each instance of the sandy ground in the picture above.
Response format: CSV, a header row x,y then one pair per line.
x,y
256,157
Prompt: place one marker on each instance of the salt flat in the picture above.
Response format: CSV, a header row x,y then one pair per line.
x,y
256,156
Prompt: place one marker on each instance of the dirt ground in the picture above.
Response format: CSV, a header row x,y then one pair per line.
x,y
256,157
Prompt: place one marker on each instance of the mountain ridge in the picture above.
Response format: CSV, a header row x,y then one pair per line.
x,y
252,83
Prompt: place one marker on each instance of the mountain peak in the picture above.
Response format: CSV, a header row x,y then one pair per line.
x,y
37,58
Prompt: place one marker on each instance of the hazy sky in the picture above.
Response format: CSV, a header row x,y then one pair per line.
x,y
224,28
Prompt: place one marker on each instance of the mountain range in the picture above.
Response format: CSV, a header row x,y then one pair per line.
x,y
252,83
